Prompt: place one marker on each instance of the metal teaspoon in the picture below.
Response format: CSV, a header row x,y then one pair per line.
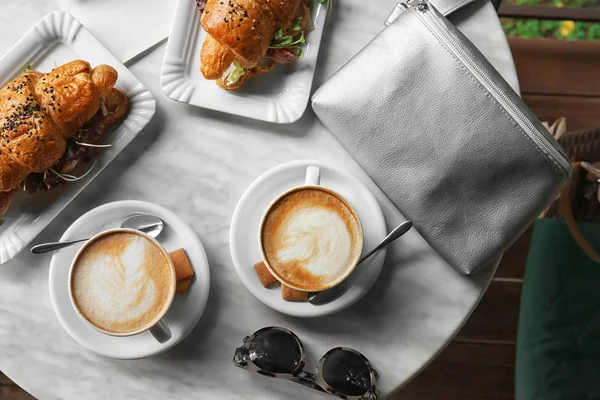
x,y
327,296
146,223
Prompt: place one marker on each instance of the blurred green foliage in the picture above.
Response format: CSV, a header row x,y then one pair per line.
x,y
569,30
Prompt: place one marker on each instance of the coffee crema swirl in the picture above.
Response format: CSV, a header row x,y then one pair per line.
x,y
311,238
122,282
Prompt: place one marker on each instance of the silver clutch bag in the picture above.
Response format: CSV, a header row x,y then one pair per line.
x,y
444,137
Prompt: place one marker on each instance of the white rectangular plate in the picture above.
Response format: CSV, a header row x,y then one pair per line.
x,y
281,96
59,38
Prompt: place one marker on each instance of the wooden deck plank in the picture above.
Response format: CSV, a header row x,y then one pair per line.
x,y
513,262
10,391
14,393
465,372
540,11
581,112
4,381
552,66
495,318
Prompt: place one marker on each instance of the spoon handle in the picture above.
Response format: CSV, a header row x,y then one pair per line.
x,y
395,234
46,247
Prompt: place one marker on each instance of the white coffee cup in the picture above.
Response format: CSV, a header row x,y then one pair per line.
x,y
158,327
312,181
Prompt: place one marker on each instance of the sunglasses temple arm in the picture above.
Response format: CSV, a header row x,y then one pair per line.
x,y
307,379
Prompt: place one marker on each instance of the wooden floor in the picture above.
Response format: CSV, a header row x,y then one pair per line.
x,y
558,78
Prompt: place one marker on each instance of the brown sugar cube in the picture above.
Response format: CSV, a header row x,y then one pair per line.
x,y
265,276
183,285
289,294
183,269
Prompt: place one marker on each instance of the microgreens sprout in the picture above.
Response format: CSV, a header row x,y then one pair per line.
x,y
71,178
282,41
287,41
103,108
296,24
93,145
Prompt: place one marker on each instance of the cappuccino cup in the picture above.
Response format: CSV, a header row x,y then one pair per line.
x,y
310,237
122,283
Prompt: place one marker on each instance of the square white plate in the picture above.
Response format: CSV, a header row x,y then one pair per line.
x,y
59,38
281,96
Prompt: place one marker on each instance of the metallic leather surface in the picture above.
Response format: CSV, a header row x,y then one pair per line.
x,y
438,144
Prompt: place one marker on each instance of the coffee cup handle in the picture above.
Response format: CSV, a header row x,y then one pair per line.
x,y
161,332
313,176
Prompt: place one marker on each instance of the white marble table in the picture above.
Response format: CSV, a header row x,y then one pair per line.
x,y
198,163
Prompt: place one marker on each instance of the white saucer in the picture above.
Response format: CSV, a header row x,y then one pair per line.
x,y
186,310
243,235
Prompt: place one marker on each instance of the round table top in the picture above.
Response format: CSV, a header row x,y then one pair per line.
x,y
198,163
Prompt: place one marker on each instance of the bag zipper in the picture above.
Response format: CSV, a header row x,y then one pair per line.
x,y
542,139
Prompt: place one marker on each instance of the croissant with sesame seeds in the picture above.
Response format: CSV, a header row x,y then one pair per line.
x,y
239,34
39,113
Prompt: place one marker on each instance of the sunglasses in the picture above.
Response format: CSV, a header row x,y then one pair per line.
x,y
279,353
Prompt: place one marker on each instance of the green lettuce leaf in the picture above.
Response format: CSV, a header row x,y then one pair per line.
x,y
233,73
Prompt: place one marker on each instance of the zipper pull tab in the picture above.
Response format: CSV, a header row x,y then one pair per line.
x,y
419,5
399,9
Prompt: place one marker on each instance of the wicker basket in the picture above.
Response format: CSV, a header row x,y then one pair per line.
x,y
581,146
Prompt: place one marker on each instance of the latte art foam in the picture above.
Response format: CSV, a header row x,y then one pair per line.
x,y
122,282
317,238
311,238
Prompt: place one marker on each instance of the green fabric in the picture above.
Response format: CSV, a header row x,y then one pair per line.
x,y
558,343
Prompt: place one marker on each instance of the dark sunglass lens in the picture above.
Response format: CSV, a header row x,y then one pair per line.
x,y
275,351
347,373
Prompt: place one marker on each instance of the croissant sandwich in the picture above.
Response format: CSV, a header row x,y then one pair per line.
x,y
246,38
49,122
